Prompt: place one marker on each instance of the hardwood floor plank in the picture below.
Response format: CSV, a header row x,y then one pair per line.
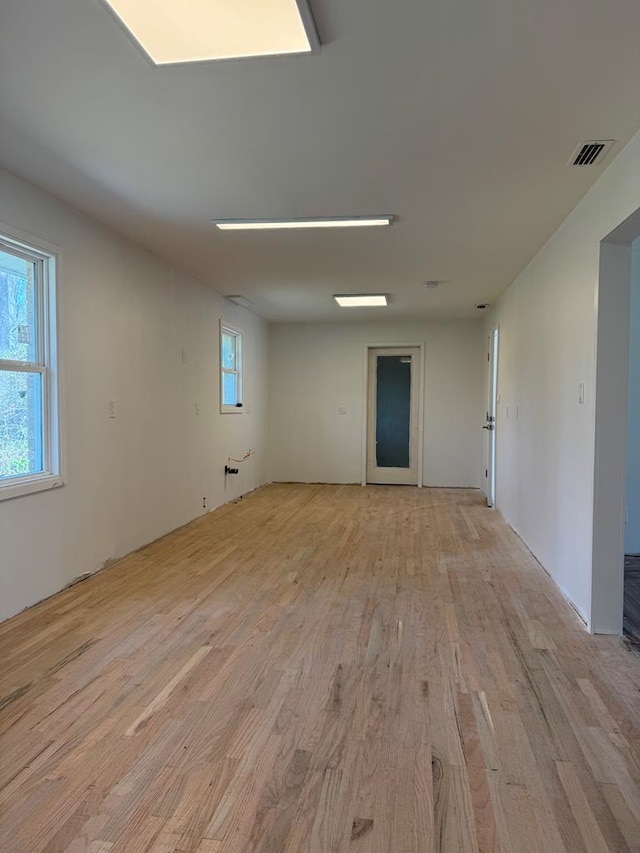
x,y
592,837
319,668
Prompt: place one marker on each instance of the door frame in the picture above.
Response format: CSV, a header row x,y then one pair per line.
x,y
611,429
365,400
492,393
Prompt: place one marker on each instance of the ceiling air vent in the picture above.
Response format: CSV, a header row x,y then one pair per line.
x,y
241,300
591,152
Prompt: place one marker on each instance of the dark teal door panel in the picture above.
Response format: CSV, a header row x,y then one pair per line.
x,y
393,411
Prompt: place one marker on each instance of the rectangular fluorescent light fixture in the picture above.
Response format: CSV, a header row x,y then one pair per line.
x,y
362,300
305,222
199,30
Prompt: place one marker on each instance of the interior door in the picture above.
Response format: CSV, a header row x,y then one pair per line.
x,y
393,415
492,418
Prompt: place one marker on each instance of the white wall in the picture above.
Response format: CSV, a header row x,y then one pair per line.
x,y
632,529
126,317
548,322
314,368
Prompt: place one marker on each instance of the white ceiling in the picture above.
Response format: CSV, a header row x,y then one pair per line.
x,y
456,116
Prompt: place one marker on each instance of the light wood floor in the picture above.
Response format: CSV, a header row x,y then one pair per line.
x,y
319,668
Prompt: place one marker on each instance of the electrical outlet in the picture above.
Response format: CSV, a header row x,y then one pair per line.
x,y
204,503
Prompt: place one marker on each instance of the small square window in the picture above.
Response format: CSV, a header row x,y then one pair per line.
x,y
230,369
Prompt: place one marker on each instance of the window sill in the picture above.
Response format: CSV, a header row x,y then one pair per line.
x,y
25,486
231,410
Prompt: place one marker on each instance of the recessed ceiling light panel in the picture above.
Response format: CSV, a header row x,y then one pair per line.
x,y
303,222
195,31
362,300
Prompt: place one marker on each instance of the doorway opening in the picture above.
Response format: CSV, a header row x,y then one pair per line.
x,y
491,425
393,415
615,593
631,609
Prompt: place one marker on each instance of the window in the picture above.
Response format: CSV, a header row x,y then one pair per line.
x,y
29,459
230,369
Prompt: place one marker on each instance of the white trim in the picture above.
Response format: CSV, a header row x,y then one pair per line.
x,y
21,366
29,485
492,392
365,407
28,241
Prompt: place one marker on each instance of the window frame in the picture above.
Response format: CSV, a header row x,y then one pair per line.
x,y
238,372
45,258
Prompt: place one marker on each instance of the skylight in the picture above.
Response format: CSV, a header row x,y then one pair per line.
x,y
193,30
